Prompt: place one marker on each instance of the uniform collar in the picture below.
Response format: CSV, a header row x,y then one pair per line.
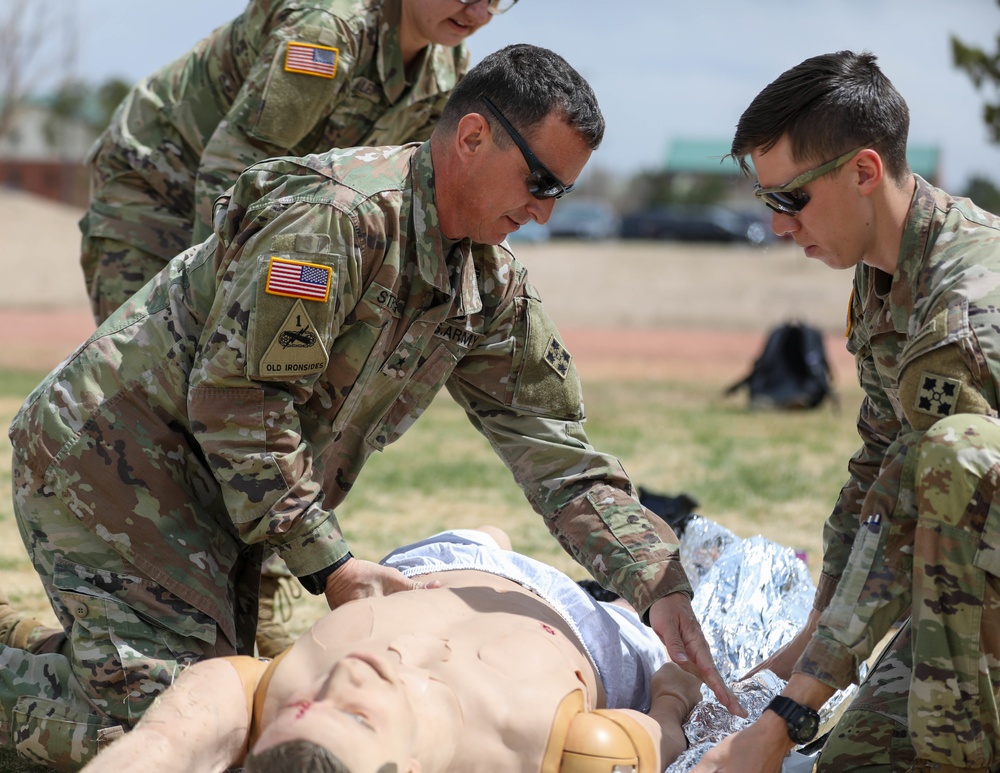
x,y
436,72
913,250
444,264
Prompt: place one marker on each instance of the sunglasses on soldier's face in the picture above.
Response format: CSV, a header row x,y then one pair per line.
x,y
542,184
790,199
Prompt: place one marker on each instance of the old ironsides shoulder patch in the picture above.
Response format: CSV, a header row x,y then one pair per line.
x,y
557,357
937,395
298,279
296,350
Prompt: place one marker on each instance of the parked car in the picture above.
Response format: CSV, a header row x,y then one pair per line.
x,y
697,224
583,219
529,232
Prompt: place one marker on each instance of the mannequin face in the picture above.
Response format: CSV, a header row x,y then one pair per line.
x,y
362,710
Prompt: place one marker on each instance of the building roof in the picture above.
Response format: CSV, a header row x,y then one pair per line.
x,y
693,156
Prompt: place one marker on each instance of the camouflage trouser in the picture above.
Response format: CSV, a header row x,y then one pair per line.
x,y
126,639
932,699
139,218
114,271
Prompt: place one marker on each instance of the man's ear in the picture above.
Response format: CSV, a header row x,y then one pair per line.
x,y
869,169
472,132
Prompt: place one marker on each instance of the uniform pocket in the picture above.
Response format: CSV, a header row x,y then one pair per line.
x,y
415,397
129,636
62,736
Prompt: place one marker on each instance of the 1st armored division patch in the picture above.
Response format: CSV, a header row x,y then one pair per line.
x,y
296,349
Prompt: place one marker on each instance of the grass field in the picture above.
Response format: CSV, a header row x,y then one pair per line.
x,y
775,474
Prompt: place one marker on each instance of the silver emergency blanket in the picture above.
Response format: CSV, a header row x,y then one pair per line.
x,y
751,596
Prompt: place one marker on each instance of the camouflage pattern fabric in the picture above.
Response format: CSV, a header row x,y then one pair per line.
x,y
232,403
914,530
182,136
126,638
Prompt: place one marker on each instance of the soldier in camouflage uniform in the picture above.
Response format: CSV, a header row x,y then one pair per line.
x,y
231,404
914,539
286,77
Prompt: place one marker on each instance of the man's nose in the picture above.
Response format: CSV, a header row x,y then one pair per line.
x,y
541,209
783,224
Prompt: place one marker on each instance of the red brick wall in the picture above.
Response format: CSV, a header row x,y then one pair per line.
x,y
63,181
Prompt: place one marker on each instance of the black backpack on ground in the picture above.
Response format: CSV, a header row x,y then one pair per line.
x,y
791,372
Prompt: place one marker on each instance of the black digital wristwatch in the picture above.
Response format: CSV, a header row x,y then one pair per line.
x,y
315,583
802,721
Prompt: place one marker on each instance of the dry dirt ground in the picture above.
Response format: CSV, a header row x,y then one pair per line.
x,y
626,309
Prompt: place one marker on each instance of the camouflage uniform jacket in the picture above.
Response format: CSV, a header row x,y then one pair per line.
x,y
926,343
182,136
235,399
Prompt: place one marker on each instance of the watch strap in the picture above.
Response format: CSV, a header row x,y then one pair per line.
x,y
315,583
797,717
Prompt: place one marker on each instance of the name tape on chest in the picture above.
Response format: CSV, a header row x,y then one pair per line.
x,y
457,334
311,59
298,279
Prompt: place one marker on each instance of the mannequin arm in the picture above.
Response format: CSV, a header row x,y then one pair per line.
x,y
201,723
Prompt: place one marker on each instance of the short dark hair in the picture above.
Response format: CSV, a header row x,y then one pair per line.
x,y
828,105
301,756
526,83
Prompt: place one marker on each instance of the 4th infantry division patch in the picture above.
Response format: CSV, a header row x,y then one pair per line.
x,y
938,395
557,357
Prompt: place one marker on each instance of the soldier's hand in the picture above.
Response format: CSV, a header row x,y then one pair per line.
x,y
675,623
359,579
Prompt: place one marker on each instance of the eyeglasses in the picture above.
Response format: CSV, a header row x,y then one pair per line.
x,y
789,199
495,7
542,184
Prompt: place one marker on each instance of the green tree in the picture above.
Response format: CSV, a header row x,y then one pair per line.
x,y
984,70
984,193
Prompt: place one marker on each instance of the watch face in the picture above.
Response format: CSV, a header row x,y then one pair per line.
x,y
802,721
808,726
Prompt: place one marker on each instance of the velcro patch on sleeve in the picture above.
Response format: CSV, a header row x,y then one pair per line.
x,y
298,279
937,395
296,349
937,384
557,358
311,59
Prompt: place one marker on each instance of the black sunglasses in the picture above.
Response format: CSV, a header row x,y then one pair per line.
x,y
790,199
542,184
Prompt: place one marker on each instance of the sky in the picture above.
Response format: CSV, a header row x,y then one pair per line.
x,y
661,69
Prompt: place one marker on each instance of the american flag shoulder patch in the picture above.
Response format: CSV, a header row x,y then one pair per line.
x,y
298,279
311,59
